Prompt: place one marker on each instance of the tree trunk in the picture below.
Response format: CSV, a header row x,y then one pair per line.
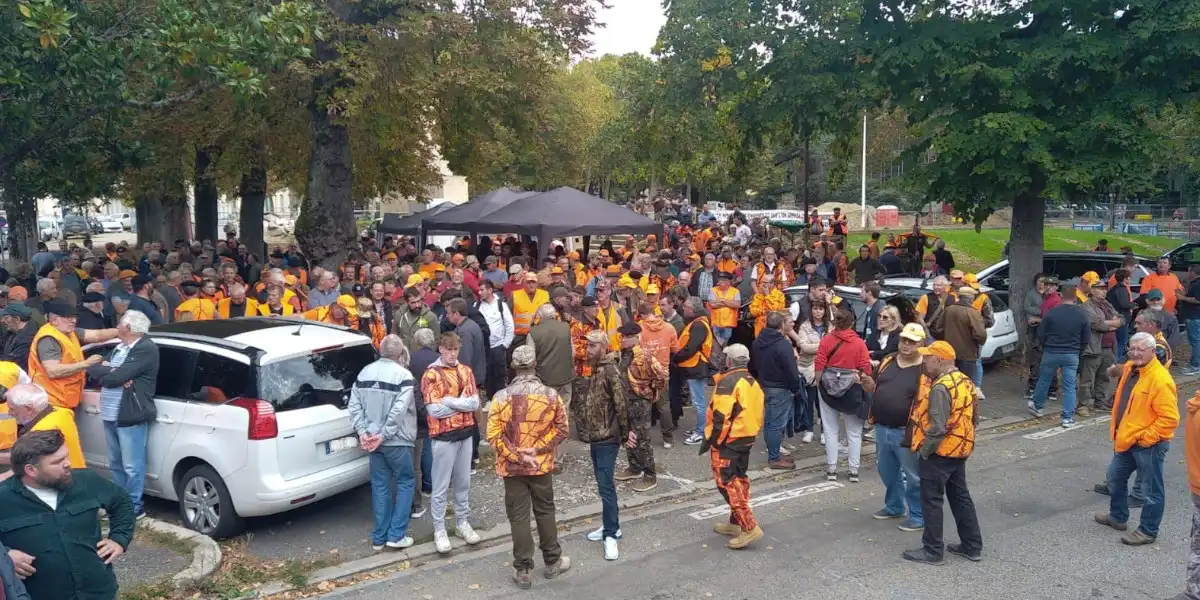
x,y
23,231
164,216
325,227
148,213
803,174
205,193
253,191
1025,248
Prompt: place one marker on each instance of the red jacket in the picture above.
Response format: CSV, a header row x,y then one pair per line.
x,y
852,354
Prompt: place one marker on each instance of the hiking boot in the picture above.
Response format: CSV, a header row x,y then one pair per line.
x,y
523,578
958,549
1104,518
628,474
785,463
745,538
648,482
922,555
1137,537
728,529
1083,412
558,568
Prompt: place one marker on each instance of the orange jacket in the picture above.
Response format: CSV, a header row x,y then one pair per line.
x,y
1191,441
1152,412
1167,284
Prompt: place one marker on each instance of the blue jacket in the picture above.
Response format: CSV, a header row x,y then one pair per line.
x,y
14,588
772,362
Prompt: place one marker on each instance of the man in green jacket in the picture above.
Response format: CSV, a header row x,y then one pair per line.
x,y
51,522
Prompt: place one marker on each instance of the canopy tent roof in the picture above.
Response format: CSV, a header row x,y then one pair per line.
x,y
397,224
472,216
566,212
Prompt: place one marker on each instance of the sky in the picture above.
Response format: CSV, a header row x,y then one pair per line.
x,y
630,26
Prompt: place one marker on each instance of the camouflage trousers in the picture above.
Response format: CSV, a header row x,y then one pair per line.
x,y
641,457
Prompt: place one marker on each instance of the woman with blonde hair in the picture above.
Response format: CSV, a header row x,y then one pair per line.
x,y
885,339
369,323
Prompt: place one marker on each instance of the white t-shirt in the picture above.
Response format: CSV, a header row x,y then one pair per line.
x,y
49,496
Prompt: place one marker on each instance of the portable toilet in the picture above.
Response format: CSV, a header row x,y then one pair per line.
x,y
887,216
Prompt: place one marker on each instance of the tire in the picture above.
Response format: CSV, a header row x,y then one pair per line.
x,y
201,481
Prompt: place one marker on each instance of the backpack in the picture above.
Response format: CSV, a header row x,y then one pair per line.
x,y
474,315
716,358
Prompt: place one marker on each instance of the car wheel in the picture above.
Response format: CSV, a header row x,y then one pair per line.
x,y
205,504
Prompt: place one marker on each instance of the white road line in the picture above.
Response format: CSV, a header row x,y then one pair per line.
x,y
676,479
808,490
1038,435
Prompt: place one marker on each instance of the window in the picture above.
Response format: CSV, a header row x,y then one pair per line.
x,y
1071,268
315,379
225,378
997,279
175,366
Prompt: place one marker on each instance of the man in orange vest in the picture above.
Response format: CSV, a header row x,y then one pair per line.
x,y
525,303
724,301
56,361
695,348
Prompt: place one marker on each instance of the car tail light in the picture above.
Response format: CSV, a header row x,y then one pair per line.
x,y
263,425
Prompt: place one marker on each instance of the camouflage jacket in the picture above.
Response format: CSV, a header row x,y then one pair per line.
x,y
645,377
604,416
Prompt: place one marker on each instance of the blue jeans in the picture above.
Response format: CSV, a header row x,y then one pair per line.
x,y
977,376
604,463
779,408
723,334
1148,462
1122,342
700,402
898,469
391,511
805,418
127,459
1193,335
1051,362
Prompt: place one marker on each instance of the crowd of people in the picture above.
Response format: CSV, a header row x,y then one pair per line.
x,y
497,340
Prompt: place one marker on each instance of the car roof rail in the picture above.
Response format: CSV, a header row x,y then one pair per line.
x,y
204,339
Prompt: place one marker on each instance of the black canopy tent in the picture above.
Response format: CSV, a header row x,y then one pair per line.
x,y
566,212
472,216
397,224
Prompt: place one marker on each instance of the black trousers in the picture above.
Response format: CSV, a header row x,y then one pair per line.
x,y
497,370
946,479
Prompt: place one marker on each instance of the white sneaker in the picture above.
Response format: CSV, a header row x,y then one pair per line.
x,y
807,437
598,534
404,542
667,445
377,547
417,514
441,542
610,549
468,535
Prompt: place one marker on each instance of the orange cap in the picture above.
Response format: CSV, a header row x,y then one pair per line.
x,y
573,255
938,349
613,270
127,274
439,267
556,271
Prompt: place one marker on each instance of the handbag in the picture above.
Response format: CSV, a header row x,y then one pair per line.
x,y
836,381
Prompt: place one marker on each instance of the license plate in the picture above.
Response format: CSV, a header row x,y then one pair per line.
x,y
340,445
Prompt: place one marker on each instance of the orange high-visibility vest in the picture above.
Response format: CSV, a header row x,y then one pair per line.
x,y
66,391
202,309
724,316
524,307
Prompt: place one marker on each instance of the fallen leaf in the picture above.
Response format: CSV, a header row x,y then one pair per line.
x,y
1016,514
704,545
474,586
870,539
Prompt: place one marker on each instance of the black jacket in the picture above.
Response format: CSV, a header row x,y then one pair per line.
x,y
1066,328
420,361
695,343
772,362
140,367
17,345
877,351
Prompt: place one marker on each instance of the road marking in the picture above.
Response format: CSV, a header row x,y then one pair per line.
x,y
679,480
808,490
1038,435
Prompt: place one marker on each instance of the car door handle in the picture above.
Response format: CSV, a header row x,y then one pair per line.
x,y
165,420
91,410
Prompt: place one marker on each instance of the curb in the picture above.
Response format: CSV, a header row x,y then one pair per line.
x,y
391,559
206,554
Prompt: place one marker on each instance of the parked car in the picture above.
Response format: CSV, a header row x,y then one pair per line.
x,y
124,218
252,418
1183,257
47,229
111,224
75,226
1066,265
1002,336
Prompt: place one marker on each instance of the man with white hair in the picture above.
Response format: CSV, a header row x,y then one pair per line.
x,y
384,414
29,405
326,292
1144,417
128,377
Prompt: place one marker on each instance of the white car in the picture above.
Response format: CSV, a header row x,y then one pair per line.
x,y
1002,339
125,219
111,224
252,418
47,229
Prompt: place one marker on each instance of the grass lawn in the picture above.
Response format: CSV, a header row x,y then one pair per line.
x,y
977,250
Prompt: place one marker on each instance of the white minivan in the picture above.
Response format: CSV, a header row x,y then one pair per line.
x,y
252,418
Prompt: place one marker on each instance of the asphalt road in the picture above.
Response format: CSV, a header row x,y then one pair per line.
x,y
1033,498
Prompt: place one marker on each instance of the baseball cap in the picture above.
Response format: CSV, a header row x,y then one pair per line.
x,y
956,274
1154,295
531,276
127,274
523,357
652,288
737,351
17,309
439,267
597,337
613,271
914,332
588,301
971,280
938,349
573,255
513,270
414,279
1090,277
556,271
967,290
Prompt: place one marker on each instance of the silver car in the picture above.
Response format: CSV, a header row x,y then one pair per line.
x,y
252,418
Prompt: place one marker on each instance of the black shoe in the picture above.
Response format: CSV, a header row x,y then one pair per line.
x,y
922,555
958,549
1102,488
